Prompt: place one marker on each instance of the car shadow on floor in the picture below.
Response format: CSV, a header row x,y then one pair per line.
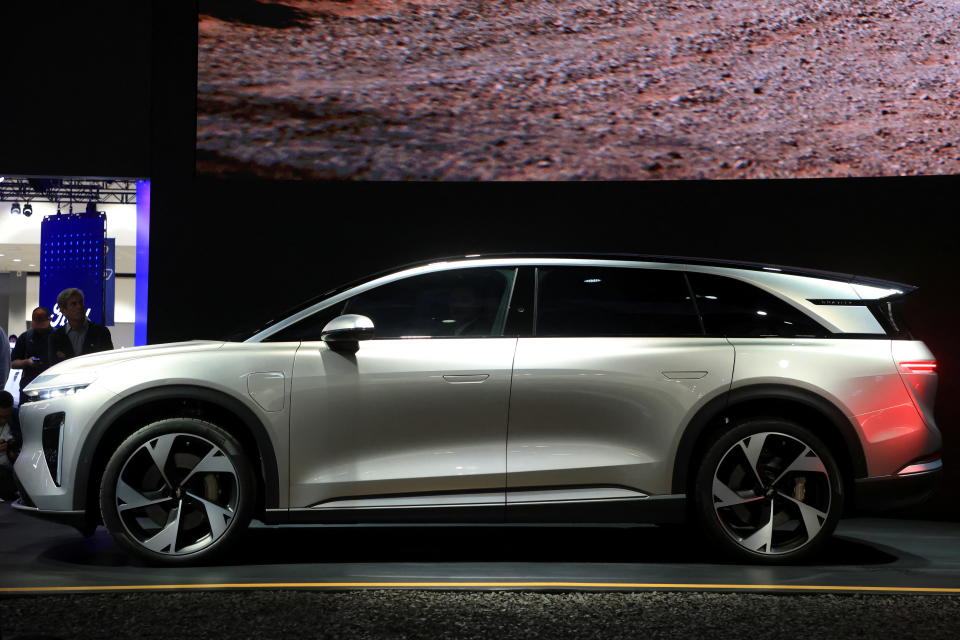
x,y
466,544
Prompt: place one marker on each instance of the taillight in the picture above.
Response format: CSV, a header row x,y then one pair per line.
x,y
919,366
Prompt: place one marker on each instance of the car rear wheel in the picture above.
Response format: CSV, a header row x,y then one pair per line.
x,y
768,491
178,491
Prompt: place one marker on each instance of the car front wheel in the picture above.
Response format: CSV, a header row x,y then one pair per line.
x,y
177,491
768,491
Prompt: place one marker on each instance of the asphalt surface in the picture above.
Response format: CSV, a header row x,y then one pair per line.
x,y
435,615
864,555
241,598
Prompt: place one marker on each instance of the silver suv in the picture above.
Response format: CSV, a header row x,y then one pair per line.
x,y
759,403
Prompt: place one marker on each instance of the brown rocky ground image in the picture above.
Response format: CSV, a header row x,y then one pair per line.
x,y
578,90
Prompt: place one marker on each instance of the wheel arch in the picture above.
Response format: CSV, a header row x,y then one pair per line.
x,y
141,408
811,409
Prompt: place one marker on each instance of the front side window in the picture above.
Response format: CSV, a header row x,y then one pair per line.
x,y
737,309
612,301
468,303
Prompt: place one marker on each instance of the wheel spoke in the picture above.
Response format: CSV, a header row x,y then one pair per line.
x,y
216,461
133,499
160,450
218,517
762,539
175,520
168,535
778,453
806,461
752,452
811,515
727,496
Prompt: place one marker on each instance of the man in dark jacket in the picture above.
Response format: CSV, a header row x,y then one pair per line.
x,y
32,353
78,336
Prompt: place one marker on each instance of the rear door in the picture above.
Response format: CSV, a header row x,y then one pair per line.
x,y
617,364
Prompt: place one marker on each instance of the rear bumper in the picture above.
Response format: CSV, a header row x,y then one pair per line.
x,y
888,493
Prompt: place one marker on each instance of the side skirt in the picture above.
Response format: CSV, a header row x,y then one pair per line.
x,y
654,509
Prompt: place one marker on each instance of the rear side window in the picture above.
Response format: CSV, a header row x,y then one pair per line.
x,y
733,308
611,301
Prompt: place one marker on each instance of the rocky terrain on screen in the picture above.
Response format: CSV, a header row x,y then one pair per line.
x,y
576,89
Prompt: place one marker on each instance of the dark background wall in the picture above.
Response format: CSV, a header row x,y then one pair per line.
x,y
114,95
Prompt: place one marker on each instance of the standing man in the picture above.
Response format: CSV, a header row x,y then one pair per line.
x,y
32,353
78,336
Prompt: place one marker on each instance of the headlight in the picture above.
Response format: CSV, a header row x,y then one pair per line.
x,y
56,385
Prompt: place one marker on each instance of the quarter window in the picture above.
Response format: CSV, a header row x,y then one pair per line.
x,y
733,308
611,301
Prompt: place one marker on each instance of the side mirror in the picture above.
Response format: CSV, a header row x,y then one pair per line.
x,y
347,329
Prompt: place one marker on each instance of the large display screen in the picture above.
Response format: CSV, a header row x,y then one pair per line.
x,y
577,89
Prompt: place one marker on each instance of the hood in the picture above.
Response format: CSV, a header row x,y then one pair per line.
x,y
96,360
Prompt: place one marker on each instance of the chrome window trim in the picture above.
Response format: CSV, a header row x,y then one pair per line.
x,y
449,266
745,276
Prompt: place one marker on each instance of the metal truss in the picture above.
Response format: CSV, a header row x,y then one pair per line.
x,y
77,191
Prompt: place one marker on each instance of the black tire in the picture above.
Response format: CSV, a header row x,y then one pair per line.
x,y
782,513
191,512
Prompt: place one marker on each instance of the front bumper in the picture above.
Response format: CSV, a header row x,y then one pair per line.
x,y
888,493
50,480
81,520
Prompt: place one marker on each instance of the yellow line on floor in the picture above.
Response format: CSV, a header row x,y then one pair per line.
x,y
478,584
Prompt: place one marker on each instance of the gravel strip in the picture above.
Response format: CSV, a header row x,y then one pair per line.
x,y
470,614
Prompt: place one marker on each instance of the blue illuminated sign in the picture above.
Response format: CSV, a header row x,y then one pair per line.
x,y
72,255
109,281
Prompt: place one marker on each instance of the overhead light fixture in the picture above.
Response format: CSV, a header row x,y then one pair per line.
x,y
27,210
15,208
92,208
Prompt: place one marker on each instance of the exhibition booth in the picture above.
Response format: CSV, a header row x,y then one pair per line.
x,y
88,233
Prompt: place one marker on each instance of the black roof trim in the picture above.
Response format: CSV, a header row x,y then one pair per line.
x,y
706,262
638,257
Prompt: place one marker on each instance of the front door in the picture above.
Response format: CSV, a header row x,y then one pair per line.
x,y
416,416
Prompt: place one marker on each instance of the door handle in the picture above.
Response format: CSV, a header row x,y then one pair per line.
x,y
462,379
684,375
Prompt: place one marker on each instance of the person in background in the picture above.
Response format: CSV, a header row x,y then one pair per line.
x,y
4,358
9,446
32,353
78,336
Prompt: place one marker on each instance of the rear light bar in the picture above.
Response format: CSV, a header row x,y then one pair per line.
x,y
919,366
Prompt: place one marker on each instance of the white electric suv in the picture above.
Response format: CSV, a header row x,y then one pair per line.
x,y
759,403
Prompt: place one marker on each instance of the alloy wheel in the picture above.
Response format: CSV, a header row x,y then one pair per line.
x,y
177,494
771,493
